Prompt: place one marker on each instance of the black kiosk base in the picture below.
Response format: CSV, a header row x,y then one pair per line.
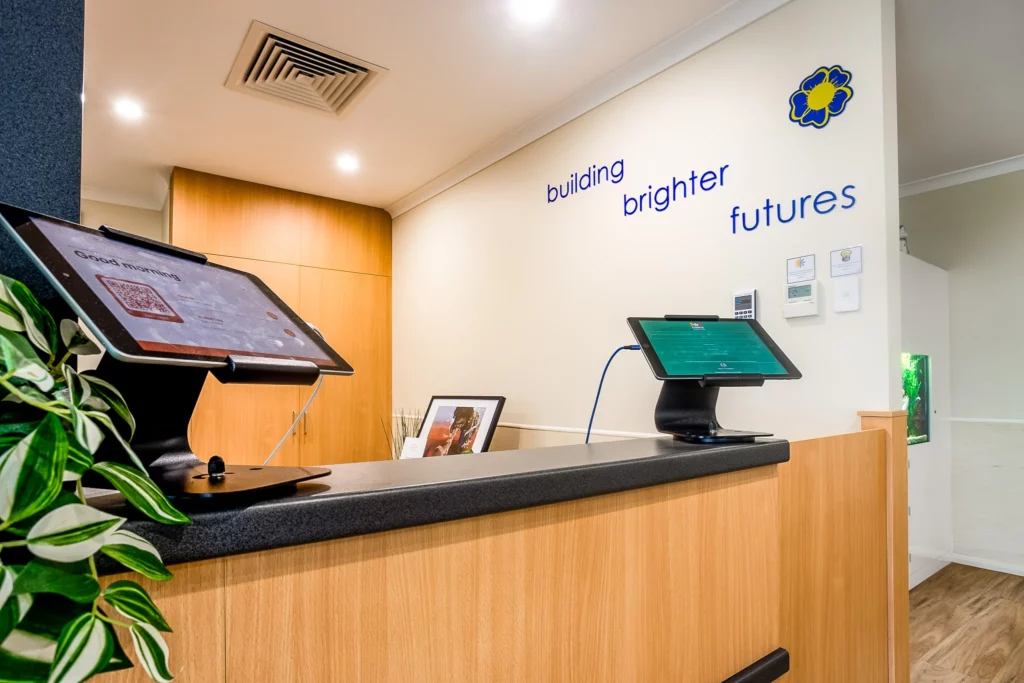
x,y
162,400
686,410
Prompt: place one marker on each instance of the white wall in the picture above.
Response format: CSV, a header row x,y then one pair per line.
x,y
128,218
976,232
498,291
925,293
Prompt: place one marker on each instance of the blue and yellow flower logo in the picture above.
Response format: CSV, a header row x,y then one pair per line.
x,y
821,96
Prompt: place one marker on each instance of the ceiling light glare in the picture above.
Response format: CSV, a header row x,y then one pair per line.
x,y
532,12
347,163
128,109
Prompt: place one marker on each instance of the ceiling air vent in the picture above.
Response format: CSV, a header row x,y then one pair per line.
x,y
277,65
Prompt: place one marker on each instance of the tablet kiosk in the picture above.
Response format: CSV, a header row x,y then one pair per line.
x,y
167,317
697,355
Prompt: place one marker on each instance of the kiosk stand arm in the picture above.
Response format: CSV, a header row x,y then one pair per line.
x,y
686,408
163,399
256,370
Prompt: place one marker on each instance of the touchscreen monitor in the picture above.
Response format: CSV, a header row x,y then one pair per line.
x,y
149,306
681,348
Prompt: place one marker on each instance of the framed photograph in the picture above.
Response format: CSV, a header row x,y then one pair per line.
x,y
456,425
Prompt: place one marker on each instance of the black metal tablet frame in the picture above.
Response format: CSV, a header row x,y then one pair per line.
x,y
162,397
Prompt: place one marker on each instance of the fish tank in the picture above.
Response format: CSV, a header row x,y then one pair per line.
x,y
917,385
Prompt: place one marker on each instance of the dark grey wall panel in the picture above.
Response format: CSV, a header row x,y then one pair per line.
x,y
41,56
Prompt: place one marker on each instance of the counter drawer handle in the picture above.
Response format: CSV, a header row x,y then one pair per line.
x,y
770,668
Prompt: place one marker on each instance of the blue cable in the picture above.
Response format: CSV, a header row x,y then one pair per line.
x,y
632,347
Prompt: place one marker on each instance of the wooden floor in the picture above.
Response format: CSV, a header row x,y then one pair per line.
x,y
967,626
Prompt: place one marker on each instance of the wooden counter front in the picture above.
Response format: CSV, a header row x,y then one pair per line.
x,y
678,582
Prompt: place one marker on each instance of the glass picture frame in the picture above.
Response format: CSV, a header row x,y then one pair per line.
x,y
459,425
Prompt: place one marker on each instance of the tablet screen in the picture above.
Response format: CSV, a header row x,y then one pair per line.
x,y
168,306
700,348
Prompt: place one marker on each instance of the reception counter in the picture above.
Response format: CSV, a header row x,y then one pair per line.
x,y
370,497
639,560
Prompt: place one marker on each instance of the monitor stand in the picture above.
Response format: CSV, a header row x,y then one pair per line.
x,y
686,409
162,399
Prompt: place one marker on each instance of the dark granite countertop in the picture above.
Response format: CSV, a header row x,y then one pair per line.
x,y
369,497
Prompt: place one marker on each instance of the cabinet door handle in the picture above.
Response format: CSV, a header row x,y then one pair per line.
x,y
294,425
305,424
765,670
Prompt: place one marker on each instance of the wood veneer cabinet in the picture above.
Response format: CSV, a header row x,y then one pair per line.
x,y
330,261
678,582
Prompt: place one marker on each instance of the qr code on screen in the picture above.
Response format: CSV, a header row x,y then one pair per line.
x,y
139,299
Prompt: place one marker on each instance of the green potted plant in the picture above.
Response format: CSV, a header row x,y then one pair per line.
x,y
57,623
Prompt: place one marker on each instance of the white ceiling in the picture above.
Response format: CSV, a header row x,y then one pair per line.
x,y
463,76
467,85
959,65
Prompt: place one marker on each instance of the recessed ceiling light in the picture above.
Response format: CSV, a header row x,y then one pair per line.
x,y
347,163
128,109
532,11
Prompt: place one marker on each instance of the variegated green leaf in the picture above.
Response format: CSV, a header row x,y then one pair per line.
x,y
40,577
31,392
83,649
26,656
14,425
71,533
76,340
152,652
131,600
39,325
7,577
87,432
136,553
19,358
113,398
141,492
11,614
118,659
32,471
105,420
24,526
95,403
79,462
49,615
10,318
78,391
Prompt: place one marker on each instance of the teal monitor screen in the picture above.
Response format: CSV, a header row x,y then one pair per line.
x,y
691,348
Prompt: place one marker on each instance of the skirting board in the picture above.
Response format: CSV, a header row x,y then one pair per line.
x,y
983,563
923,568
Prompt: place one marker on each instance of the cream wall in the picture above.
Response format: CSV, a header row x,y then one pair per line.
x,y
496,291
976,232
128,218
